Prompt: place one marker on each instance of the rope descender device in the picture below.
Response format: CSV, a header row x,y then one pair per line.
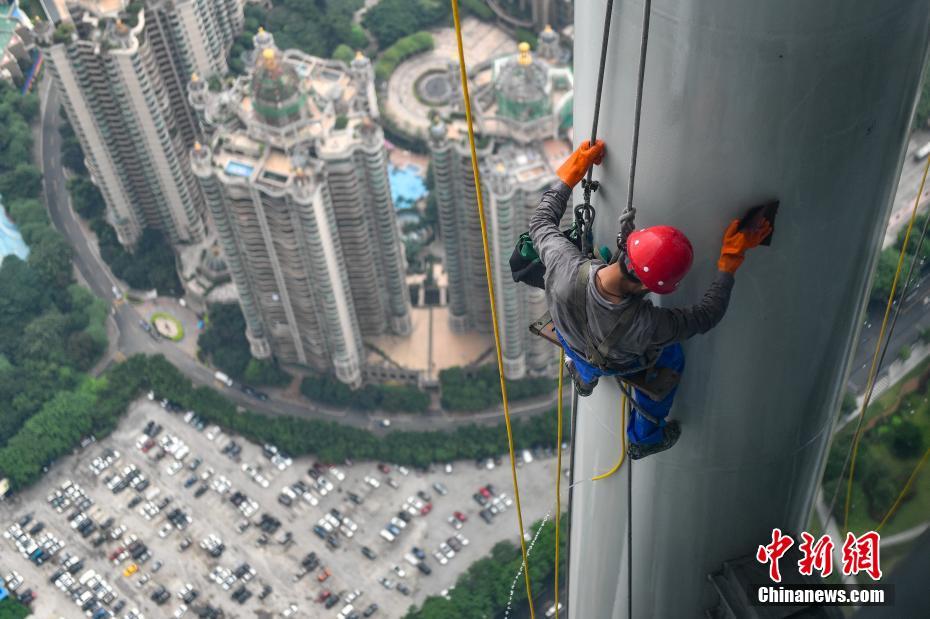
x,y
584,216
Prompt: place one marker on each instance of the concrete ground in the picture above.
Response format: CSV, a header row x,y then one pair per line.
x,y
275,565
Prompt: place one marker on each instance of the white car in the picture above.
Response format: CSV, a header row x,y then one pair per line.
x,y
339,475
399,571
290,611
403,470
371,481
462,539
440,558
448,468
446,550
387,535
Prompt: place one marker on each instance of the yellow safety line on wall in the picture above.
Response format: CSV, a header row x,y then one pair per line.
x,y
490,279
907,486
558,478
873,370
624,408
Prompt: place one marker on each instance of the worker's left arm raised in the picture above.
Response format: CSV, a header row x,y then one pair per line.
x,y
675,324
669,325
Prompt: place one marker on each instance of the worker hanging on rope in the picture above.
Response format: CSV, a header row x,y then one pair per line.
x,y
600,312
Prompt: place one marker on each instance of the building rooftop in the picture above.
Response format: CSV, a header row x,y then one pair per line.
x,y
8,27
269,125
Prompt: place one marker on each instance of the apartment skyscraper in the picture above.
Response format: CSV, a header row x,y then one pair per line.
x,y
295,174
121,71
191,37
519,112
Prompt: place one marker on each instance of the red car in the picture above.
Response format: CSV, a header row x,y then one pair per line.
x,y
460,516
485,493
384,468
426,509
323,595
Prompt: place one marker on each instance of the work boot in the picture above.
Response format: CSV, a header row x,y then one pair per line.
x,y
670,432
582,388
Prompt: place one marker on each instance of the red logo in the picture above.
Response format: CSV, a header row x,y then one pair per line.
x,y
773,552
817,555
860,554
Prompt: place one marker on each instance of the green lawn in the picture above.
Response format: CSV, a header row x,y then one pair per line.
x,y
916,509
179,335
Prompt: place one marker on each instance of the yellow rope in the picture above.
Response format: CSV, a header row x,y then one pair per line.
x,y
558,480
623,411
873,370
907,486
490,278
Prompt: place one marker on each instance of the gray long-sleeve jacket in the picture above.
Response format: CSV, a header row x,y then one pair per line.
x,y
652,327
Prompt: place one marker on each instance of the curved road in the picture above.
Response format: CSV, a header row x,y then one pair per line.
x,y
131,339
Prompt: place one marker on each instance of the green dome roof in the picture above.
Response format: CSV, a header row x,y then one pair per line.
x,y
523,88
276,95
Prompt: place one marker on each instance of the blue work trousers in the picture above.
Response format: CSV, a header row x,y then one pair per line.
x,y
639,429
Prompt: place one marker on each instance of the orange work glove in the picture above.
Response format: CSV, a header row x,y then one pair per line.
x,y
736,242
576,166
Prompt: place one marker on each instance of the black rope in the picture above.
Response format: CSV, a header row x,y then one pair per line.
x,y
584,213
626,218
881,358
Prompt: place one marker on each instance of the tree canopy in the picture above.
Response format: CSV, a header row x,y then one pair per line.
x,y
225,344
391,20
477,389
317,27
51,329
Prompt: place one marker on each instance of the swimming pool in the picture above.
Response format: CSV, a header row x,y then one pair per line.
x,y
11,241
234,168
407,185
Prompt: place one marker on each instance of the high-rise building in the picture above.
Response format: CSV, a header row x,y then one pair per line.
x,y
534,13
518,114
295,174
121,69
191,37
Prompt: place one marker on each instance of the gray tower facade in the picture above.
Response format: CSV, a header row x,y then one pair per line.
x,y
744,100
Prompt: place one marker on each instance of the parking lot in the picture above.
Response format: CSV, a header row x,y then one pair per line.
x,y
165,518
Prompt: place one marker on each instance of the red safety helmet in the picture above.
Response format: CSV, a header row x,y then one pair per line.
x,y
659,257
